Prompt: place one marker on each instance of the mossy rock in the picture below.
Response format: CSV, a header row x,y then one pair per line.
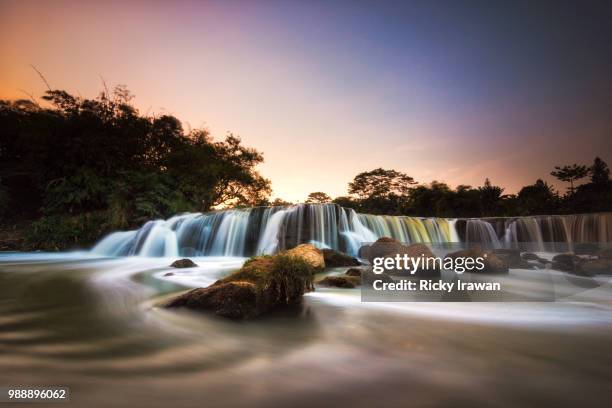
x,y
310,254
262,284
334,258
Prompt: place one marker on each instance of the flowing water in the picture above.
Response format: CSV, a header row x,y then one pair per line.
x,y
265,230
93,322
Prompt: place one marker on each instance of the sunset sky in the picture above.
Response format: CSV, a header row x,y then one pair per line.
x,y
454,91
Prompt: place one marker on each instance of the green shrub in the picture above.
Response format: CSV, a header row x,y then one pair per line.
x,y
56,232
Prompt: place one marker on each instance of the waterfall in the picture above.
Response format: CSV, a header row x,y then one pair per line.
x,y
273,220
266,230
407,229
558,233
481,232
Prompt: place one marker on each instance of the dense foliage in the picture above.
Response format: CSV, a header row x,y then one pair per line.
x,y
390,192
87,166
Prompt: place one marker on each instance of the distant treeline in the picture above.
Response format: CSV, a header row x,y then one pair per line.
x,y
83,167
391,192
73,169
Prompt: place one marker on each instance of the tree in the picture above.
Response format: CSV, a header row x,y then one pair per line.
x,y
600,173
346,202
570,174
381,183
537,199
318,197
80,157
490,197
433,200
465,201
596,195
279,202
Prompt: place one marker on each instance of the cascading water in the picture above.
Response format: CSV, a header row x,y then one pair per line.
x,y
266,230
558,233
245,232
481,232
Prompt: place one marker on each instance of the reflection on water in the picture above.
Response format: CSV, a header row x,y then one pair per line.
x,y
92,324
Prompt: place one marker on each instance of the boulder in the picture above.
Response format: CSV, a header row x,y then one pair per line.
x,y
383,247
342,281
595,267
262,284
389,248
354,272
566,262
363,251
535,261
492,263
169,274
334,258
236,300
183,263
529,256
512,258
310,254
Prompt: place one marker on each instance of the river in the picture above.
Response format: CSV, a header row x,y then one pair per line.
x,y
94,324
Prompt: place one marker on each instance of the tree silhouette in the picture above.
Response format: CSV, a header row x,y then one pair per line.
x,y
318,197
279,202
538,198
600,173
490,196
570,174
380,183
77,160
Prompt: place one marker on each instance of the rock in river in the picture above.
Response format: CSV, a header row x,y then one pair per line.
x,y
262,284
341,281
184,263
310,254
334,258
